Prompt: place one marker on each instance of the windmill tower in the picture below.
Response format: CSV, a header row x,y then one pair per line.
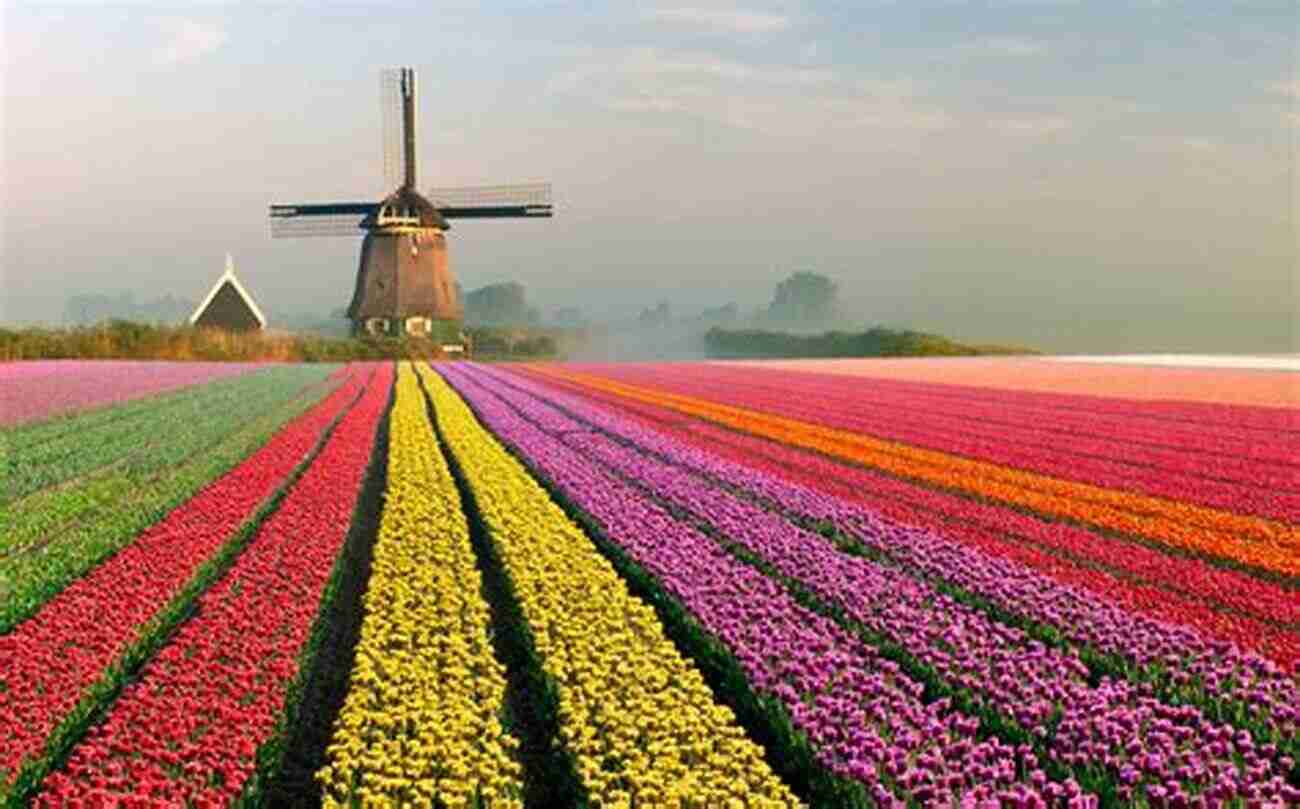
x,y
404,282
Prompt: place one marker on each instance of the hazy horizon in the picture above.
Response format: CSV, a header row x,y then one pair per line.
x,y
1075,177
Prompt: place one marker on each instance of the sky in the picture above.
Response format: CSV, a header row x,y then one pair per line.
x,y
1075,176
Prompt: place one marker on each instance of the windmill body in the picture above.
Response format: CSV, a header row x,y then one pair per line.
x,y
404,282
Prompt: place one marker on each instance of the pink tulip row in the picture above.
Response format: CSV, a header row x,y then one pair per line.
x,y
187,731
1248,486
1128,425
1224,603
1110,406
44,389
52,659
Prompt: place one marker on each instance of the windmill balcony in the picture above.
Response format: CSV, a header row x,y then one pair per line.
x,y
389,216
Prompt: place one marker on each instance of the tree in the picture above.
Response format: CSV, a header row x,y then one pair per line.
x,y
661,315
728,313
804,297
497,304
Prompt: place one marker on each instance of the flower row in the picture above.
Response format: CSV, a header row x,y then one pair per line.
x,y
862,715
59,534
1249,432
148,438
1087,620
1221,603
55,482
1216,534
38,391
999,666
79,638
636,717
1175,588
188,729
1113,459
421,720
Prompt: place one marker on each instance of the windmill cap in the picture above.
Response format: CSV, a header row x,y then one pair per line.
x,y
408,203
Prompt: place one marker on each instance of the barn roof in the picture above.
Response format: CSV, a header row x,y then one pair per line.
x,y
228,277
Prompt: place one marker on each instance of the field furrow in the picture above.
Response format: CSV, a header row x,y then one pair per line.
x,y
422,719
636,717
862,716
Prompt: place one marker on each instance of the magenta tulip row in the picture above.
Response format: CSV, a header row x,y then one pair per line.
x,y
1190,419
1245,485
862,715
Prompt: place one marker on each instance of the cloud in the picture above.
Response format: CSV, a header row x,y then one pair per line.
x,y
1009,46
774,99
736,20
649,68
1032,127
188,41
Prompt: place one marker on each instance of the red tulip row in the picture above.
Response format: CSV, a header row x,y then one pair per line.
x,y
59,665
1224,603
191,729
1048,442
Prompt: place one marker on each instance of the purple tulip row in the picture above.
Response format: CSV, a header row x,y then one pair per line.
x,y
1244,485
1007,671
43,389
1270,693
863,717
1189,578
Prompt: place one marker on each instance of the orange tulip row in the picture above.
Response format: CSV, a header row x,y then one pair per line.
x,y
1251,541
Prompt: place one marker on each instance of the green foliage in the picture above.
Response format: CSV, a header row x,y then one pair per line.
x,y
146,437
874,342
126,340
513,343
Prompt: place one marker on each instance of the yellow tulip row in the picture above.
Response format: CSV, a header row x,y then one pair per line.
x,y
639,721
420,726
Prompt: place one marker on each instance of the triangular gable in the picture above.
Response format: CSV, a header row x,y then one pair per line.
x,y
229,275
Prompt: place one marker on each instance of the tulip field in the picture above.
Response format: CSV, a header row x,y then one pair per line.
x,y
1011,582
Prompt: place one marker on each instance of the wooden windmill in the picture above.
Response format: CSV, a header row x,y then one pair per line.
x,y
404,284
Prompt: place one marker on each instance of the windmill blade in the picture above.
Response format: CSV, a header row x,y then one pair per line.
x,y
519,195
315,226
332,219
390,111
493,201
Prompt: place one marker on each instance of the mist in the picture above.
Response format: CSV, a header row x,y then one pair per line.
x,y
1085,179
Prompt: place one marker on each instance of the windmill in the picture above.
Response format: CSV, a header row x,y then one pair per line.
x,y
404,284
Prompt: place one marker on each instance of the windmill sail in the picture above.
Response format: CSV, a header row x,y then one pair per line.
x,y
390,113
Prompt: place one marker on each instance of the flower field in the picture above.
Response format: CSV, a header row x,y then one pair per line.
x,y
994,583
